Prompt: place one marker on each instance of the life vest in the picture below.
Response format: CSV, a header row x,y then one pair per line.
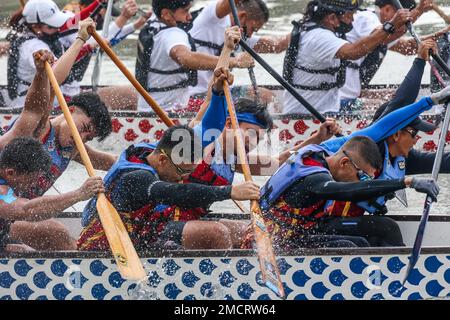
x,y
143,224
290,63
282,220
16,40
444,51
5,224
143,61
371,64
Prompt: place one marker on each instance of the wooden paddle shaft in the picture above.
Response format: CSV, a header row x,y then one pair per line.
x,y
105,47
73,128
22,3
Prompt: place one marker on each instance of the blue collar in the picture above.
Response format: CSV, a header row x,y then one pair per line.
x,y
249,118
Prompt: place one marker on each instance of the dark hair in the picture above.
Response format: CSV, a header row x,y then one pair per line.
x,y
244,105
257,8
177,134
314,12
407,4
366,149
17,21
159,5
25,155
91,104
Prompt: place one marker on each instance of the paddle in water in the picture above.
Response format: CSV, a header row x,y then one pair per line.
x,y
268,264
128,262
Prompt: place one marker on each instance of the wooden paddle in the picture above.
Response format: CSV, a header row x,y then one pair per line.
x,y
267,261
128,262
153,104
22,3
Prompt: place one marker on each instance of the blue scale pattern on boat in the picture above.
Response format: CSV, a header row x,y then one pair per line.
x,y
336,259
6,298
117,298
259,279
300,278
300,297
189,279
190,297
283,266
337,296
245,291
41,280
4,261
43,298
60,292
359,290
318,266
244,267
170,267
58,268
154,279
206,290
376,259
188,261
395,265
396,289
226,261
337,278
97,268
6,280
171,291
319,290
99,291
23,292
40,261
299,260
152,261
377,296
287,290
77,261
432,264
415,277
22,268
116,280
357,265
78,298
228,297
377,277
263,297
226,279
434,288
206,266
415,296
447,276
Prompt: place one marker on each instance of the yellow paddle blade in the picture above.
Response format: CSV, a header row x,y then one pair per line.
x,y
127,259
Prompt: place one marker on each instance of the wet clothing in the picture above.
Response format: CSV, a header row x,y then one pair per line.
x,y
444,51
135,190
308,197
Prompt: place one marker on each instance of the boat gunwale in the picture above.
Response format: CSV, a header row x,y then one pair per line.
x,y
235,253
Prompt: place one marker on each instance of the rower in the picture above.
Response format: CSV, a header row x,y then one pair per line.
x,y
301,193
144,181
444,52
19,216
208,34
167,61
360,72
315,61
395,131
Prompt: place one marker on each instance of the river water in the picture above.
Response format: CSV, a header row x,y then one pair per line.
x,y
283,12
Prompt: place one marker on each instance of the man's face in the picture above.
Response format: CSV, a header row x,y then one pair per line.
x,y
347,17
172,169
387,12
182,14
84,125
251,26
351,169
252,135
22,182
406,140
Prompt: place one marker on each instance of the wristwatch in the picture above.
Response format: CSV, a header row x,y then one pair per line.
x,y
388,27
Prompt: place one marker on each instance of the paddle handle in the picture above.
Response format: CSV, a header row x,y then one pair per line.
x,y
73,128
153,104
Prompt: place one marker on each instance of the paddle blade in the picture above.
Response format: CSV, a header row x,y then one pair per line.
x,y
419,238
128,262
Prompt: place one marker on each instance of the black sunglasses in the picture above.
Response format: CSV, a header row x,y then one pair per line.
x,y
362,175
413,132
180,170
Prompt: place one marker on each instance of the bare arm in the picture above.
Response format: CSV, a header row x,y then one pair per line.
x,y
4,47
100,160
36,111
272,44
47,207
441,13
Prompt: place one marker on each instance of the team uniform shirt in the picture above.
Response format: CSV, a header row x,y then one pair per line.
x,y
7,196
164,42
364,23
317,51
210,28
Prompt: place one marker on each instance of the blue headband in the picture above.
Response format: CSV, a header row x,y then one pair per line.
x,y
249,118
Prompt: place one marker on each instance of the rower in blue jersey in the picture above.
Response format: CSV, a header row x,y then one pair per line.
x,y
395,130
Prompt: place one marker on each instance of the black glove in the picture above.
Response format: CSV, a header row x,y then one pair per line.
x,y
442,96
427,186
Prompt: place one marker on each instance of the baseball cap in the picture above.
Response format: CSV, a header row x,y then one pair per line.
x,y
44,11
407,4
417,123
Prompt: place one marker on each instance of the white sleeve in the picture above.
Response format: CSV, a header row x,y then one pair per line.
x,y
367,24
209,15
113,30
326,45
30,47
253,40
175,37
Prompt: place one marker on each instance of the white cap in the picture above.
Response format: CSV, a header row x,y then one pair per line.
x,y
44,11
